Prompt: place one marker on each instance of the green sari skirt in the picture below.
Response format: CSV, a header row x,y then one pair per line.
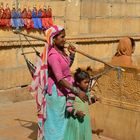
x,y
79,129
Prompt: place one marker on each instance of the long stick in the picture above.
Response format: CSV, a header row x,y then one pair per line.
x,y
93,58
96,59
31,36
79,51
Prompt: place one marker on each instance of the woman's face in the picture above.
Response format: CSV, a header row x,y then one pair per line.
x,y
60,40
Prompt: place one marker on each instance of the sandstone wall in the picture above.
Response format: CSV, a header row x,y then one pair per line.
x,y
95,26
118,113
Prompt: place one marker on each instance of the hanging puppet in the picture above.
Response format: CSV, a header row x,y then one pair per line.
x,y
7,12
29,23
14,17
44,18
24,16
49,16
1,14
20,21
34,17
39,21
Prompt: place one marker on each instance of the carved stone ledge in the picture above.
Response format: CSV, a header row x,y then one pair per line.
x,y
123,92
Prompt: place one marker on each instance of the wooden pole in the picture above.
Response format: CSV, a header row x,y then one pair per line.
x,y
78,51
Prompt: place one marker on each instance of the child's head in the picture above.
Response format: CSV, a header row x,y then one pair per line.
x,y
82,79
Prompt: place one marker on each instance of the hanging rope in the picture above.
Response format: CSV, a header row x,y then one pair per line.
x,y
29,64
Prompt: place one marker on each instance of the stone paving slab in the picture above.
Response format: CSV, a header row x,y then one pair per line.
x,y
18,121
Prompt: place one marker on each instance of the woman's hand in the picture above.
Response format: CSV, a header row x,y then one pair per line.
x,y
82,95
71,49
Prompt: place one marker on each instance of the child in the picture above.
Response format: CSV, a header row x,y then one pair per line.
x,y
77,112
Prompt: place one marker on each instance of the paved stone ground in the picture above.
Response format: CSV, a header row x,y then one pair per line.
x,y
18,121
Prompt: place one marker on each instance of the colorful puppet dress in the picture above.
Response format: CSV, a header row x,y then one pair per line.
x,y
1,13
24,16
19,19
3,20
49,16
29,23
35,18
14,17
45,24
8,17
39,14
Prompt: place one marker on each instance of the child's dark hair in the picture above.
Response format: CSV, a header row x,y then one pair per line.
x,y
80,75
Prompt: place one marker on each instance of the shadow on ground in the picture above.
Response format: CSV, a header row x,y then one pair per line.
x,y
29,125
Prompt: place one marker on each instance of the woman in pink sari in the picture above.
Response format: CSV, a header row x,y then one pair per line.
x,y
55,82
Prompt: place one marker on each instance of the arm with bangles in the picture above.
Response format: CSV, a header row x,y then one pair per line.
x,y
71,98
57,70
74,90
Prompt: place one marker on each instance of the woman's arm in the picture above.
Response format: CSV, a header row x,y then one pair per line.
x,y
71,56
77,92
55,65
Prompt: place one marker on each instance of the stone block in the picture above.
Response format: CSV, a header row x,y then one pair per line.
x,y
14,77
72,27
8,58
133,1
58,7
60,21
102,9
84,26
15,95
115,26
88,9
130,9
99,26
73,10
117,9
131,26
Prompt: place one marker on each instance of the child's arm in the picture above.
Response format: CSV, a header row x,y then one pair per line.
x,y
93,98
70,108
